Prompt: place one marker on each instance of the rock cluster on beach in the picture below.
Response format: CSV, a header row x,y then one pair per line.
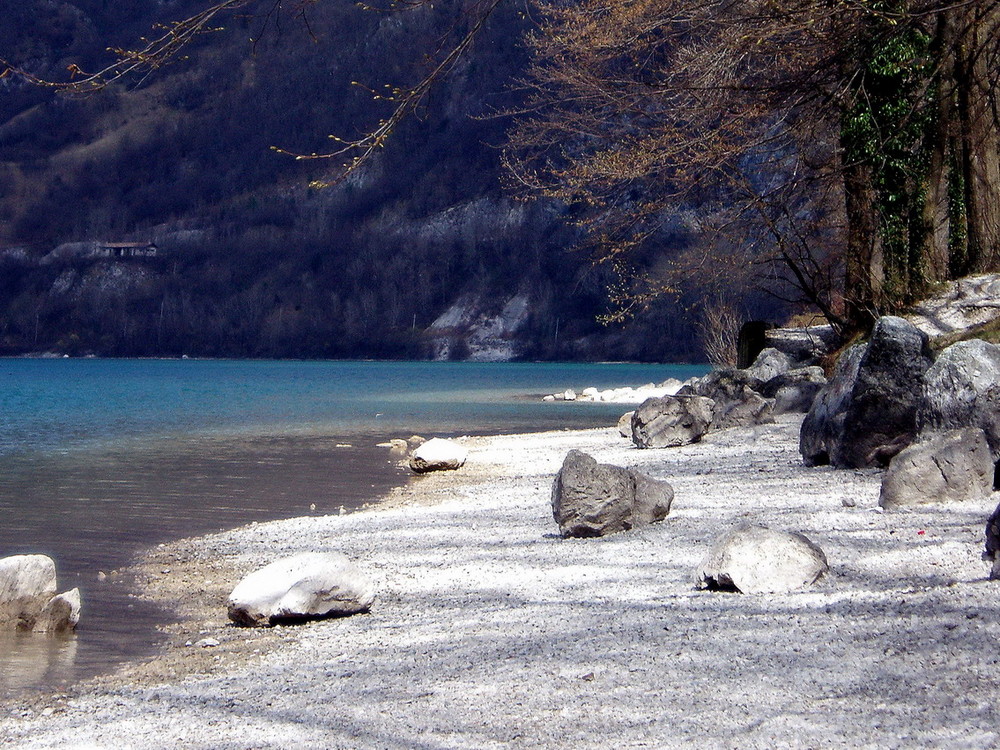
x,y
775,384
28,598
883,396
932,421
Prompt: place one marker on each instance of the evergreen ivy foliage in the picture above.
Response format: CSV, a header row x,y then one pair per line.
x,y
886,129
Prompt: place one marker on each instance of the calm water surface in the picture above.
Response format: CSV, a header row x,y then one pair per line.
x,y
102,458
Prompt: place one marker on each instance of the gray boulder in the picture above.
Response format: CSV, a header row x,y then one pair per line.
x,y
823,427
962,389
306,586
671,421
794,391
625,424
738,402
724,381
881,419
872,411
744,409
758,560
28,599
593,499
769,364
952,465
992,552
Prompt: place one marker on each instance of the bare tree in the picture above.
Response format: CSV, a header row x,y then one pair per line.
x,y
804,128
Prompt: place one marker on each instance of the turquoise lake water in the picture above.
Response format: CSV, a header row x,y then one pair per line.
x,y
100,459
67,404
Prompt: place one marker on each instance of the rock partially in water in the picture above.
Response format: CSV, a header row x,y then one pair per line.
x,y
28,599
306,586
61,614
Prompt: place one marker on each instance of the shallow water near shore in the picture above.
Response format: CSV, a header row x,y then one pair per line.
x,y
100,459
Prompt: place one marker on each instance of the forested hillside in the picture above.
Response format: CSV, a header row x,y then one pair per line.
x,y
251,260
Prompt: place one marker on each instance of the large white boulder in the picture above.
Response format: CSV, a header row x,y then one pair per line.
x,y
758,560
438,455
28,598
309,585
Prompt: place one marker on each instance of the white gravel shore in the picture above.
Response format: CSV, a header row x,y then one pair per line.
x,y
492,631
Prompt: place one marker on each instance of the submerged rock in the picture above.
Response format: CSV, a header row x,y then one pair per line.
x,y
310,585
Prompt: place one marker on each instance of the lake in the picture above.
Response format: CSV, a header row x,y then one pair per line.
x,y
100,459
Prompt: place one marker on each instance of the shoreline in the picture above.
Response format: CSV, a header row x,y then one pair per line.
x,y
490,630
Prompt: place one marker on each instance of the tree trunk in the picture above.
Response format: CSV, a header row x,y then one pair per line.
x,y
936,208
864,267
978,57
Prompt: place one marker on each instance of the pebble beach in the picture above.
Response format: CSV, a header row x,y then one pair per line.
x,y
490,630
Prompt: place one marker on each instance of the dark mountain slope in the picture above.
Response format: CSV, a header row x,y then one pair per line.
x,y
252,261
